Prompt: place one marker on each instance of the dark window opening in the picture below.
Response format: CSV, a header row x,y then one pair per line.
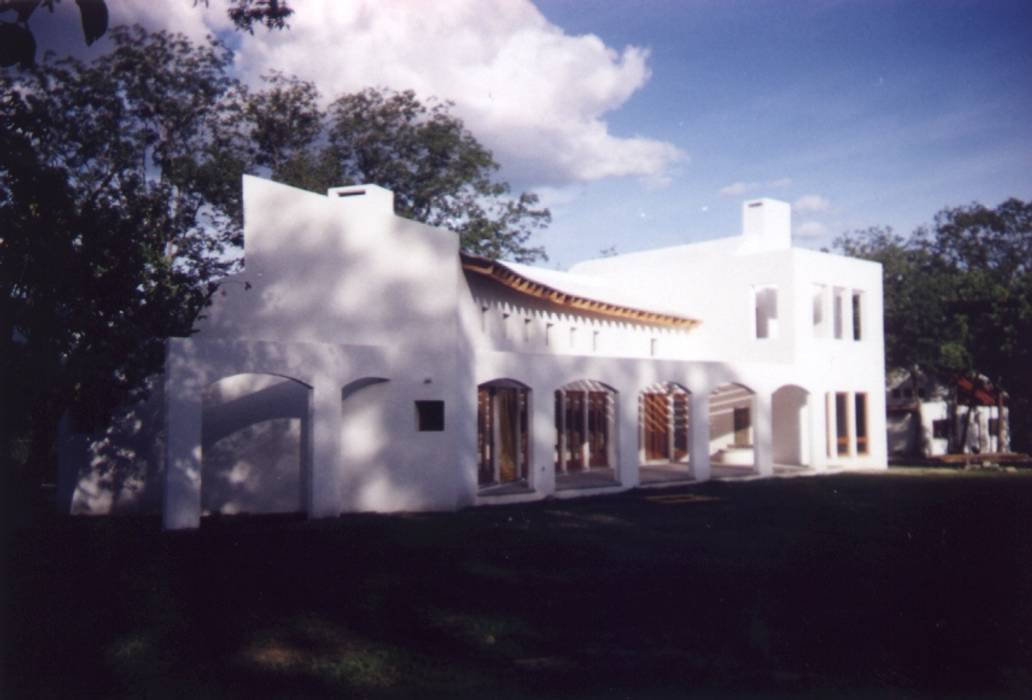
x,y
841,424
941,428
430,416
860,409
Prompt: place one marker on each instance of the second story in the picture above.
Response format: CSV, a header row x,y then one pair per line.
x,y
758,298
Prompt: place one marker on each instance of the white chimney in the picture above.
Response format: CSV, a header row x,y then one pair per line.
x,y
372,196
767,224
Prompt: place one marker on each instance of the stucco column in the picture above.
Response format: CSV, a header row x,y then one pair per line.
x,y
763,440
700,440
541,472
626,427
323,472
815,404
181,508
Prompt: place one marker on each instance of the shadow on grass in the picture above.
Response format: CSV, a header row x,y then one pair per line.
x,y
911,584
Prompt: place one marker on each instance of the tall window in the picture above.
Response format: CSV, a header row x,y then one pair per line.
x,y
820,317
583,413
860,411
503,445
766,302
841,423
858,303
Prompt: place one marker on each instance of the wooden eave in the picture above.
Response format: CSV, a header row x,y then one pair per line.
x,y
522,285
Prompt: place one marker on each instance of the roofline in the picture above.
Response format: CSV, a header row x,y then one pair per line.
x,y
502,274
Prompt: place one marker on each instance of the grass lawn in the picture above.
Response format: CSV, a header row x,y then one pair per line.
x,y
914,583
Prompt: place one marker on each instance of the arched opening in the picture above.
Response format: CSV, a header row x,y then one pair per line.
x,y
732,432
585,422
503,435
664,429
254,444
790,427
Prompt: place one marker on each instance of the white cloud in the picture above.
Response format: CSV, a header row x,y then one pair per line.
x,y
196,21
737,189
536,96
811,229
811,202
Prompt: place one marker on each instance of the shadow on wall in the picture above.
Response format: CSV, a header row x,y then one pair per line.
x,y
254,439
119,470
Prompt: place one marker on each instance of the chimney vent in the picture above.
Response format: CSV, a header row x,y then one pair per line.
x,y
767,224
372,196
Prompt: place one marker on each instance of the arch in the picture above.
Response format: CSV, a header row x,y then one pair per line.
x,y
255,454
732,409
664,423
354,387
503,433
790,425
585,421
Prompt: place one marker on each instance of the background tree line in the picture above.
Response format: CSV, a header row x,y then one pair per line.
x,y
958,299
120,207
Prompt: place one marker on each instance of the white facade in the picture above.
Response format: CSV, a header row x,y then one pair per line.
x,y
928,419
359,363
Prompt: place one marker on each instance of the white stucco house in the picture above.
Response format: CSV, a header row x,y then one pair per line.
x,y
360,362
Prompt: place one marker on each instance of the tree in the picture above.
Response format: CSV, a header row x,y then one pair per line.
x,y
958,298
118,203
18,44
439,172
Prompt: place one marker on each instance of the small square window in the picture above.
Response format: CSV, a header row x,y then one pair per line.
x,y
941,428
430,416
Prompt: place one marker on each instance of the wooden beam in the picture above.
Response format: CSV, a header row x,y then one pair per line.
x,y
532,288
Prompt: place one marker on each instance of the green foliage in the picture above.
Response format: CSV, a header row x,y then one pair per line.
x,y
18,45
117,206
958,298
439,172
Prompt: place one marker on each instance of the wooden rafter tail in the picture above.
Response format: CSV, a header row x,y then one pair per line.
x,y
523,285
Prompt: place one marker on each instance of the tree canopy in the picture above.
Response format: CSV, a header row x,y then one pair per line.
x,y
117,205
958,298
18,43
439,172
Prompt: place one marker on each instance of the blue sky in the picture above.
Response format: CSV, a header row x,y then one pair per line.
x,y
646,124
889,111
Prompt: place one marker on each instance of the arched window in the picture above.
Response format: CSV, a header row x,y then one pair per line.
x,y
503,442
